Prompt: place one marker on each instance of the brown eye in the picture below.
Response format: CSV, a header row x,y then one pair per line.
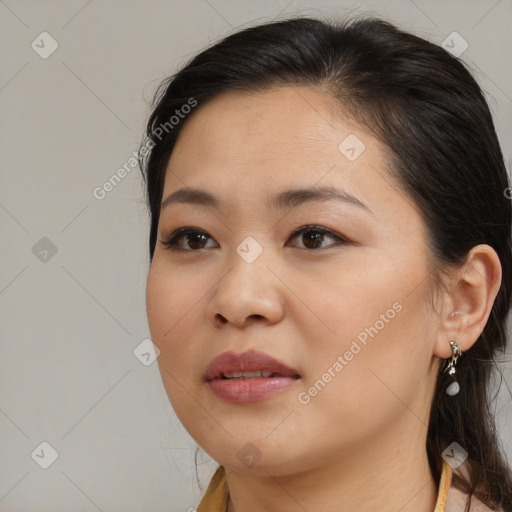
x,y
196,240
312,237
187,239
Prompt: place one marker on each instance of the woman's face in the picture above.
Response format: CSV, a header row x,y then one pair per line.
x,y
345,304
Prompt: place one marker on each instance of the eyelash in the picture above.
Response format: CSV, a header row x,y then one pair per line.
x,y
171,241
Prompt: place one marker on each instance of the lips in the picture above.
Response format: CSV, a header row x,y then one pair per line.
x,y
250,361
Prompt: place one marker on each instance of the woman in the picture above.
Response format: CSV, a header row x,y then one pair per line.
x,y
331,269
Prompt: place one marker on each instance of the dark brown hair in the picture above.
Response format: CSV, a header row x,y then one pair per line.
x,y
431,114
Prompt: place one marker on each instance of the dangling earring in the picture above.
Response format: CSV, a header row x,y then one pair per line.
x,y
454,387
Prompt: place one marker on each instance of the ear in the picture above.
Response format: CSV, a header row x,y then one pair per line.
x,y
468,299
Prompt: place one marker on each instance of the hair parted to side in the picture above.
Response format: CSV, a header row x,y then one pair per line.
x,y
426,107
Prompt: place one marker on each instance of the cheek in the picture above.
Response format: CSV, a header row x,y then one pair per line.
x,y
377,340
364,388
365,294
173,308
171,295
174,311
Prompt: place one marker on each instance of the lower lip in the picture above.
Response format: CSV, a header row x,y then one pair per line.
x,y
249,390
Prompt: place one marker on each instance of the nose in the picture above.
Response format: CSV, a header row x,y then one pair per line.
x,y
248,292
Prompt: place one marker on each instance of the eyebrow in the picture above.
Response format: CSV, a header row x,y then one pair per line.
x,y
281,201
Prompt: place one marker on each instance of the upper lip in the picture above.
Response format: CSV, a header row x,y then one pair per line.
x,y
251,360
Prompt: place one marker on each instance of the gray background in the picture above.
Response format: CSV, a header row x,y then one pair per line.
x,y
70,321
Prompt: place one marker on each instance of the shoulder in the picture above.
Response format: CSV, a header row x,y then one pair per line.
x,y
456,502
215,498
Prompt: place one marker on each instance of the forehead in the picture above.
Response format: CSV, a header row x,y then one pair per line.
x,y
269,135
272,122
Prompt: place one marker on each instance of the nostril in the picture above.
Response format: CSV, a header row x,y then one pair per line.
x,y
220,319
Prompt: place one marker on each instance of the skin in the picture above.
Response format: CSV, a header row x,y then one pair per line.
x,y
359,444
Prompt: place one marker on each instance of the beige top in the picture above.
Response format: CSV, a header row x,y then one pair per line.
x,y
449,498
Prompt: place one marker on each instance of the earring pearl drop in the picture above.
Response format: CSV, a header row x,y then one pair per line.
x,y
453,389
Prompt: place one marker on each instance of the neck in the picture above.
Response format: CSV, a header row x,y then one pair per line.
x,y
365,478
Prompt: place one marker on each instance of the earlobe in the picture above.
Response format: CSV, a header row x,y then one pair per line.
x,y
468,301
